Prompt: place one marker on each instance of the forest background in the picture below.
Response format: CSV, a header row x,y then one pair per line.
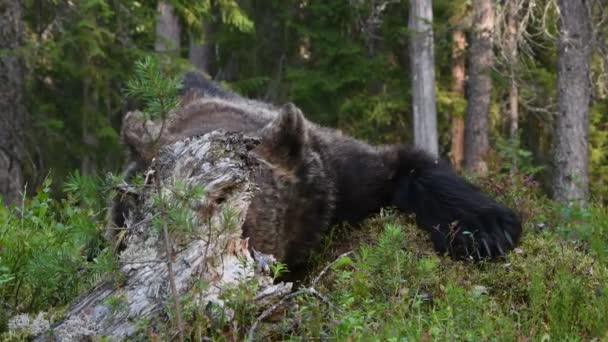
x,y
345,63
510,78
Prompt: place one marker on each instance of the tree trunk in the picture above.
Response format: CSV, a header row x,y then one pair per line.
x,y
167,29
481,59
513,108
12,110
570,149
512,59
201,52
458,71
211,251
90,99
422,61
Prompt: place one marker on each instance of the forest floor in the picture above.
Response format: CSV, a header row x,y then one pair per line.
x,y
554,285
391,286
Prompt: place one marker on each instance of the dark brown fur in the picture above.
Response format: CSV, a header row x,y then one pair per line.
x,y
317,177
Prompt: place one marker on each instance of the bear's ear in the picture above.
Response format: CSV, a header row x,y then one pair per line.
x,y
285,138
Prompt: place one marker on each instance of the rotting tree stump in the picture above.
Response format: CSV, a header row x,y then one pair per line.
x,y
211,250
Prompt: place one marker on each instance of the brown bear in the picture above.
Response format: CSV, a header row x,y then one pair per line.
x,y
320,177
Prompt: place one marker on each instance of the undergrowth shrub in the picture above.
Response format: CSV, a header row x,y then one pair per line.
x,y
51,250
394,287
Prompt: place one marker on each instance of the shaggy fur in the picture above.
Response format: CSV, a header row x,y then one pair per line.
x,y
318,177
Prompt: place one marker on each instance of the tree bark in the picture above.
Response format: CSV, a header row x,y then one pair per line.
x,y
481,60
167,29
13,113
570,146
90,101
212,251
512,59
422,61
458,71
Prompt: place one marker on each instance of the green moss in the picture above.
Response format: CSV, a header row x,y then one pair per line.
x,y
393,287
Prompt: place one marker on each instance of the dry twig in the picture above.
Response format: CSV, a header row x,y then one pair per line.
x,y
308,290
327,267
163,216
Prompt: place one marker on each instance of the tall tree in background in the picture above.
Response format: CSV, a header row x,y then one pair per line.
x,y
167,29
570,145
459,43
12,111
422,61
201,51
511,37
481,59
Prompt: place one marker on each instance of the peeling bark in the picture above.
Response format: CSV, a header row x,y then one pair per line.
x,y
422,62
479,91
458,73
512,58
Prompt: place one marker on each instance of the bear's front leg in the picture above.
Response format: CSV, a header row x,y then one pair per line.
x,y
462,220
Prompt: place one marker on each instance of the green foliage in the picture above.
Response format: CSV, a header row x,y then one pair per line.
x,y
51,250
159,94
393,289
278,269
598,147
232,15
350,80
344,63
587,224
229,219
79,55
116,303
155,89
515,158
